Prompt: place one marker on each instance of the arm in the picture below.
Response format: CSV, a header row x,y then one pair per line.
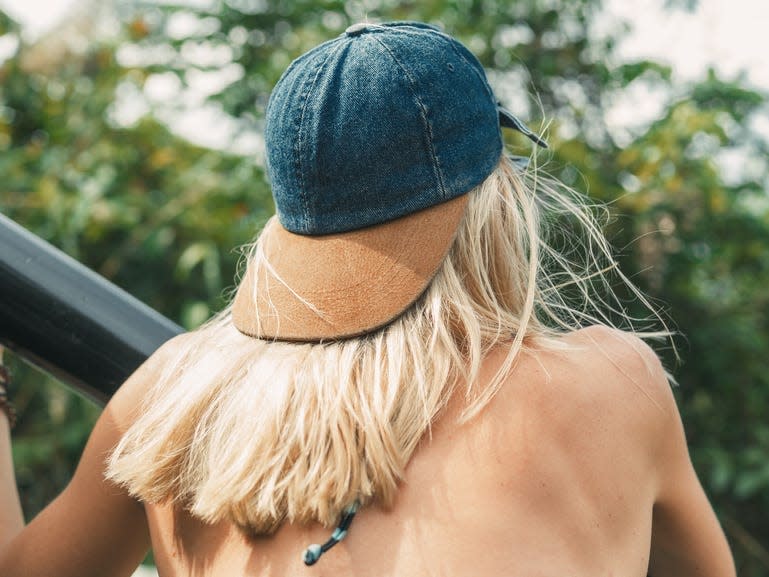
x,y
11,516
687,540
93,527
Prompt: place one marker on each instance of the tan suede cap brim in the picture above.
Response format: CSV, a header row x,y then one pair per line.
x,y
330,287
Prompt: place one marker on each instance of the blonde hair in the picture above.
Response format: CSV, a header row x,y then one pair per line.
x,y
258,432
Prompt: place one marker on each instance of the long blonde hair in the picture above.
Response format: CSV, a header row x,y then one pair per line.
x,y
258,432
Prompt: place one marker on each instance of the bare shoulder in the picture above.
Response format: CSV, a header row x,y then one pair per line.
x,y
600,387
128,400
612,416
618,347
619,364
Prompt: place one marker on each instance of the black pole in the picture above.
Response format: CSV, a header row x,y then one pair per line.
x,y
68,320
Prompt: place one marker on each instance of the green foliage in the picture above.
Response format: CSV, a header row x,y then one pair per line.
x,y
161,216
144,208
128,201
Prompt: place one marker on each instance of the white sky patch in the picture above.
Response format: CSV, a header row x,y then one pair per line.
x,y
633,110
208,126
730,35
8,45
37,16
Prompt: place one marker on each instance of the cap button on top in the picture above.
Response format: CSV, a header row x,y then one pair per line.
x,y
356,29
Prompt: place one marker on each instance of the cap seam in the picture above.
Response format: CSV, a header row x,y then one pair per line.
x,y
306,89
437,170
453,43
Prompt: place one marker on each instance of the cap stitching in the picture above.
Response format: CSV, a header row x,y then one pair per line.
x,y
306,89
422,112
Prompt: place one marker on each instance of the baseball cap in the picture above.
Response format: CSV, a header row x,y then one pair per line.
x,y
373,141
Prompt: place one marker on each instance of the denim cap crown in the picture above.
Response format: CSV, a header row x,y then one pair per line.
x,y
381,122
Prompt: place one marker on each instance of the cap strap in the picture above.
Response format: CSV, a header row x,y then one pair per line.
x,y
509,120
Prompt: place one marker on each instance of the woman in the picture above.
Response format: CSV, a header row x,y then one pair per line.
x,y
405,345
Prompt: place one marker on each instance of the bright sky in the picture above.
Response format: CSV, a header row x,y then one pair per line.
x,y
731,34
36,15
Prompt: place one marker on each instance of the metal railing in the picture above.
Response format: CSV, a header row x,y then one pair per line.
x,y
64,318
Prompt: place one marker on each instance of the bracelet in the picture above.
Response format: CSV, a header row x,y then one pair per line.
x,y
6,405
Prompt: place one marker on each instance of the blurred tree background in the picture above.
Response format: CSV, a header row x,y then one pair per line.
x,y
92,160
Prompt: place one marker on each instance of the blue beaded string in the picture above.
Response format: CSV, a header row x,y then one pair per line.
x,y
314,551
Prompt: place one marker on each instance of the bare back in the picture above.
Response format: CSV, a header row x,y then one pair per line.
x,y
556,476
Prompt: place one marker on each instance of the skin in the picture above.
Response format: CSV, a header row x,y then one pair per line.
x,y
578,467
